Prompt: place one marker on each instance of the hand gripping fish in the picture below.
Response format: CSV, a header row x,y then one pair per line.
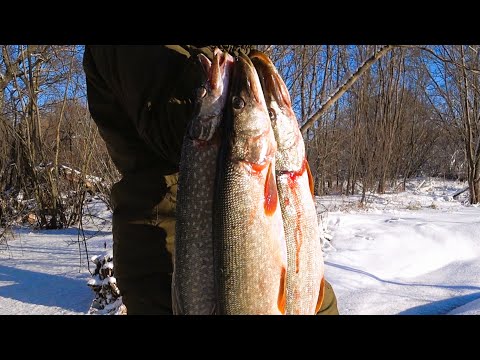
x,y
305,274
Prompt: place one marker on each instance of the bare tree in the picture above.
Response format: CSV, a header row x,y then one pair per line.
x,y
372,117
456,92
50,140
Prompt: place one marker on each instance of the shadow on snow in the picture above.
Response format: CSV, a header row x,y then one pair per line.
x,y
453,287
45,289
60,232
441,307
434,308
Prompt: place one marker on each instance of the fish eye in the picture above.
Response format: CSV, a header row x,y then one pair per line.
x,y
238,103
201,92
272,114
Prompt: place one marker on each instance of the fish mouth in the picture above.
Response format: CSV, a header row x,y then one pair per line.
x,y
221,68
279,105
216,70
271,81
249,81
211,100
253,143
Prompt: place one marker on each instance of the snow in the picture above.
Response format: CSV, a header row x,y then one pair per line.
x,y
413,252
108,265
109,280
93,282
406,253
113,306
45,272
471,308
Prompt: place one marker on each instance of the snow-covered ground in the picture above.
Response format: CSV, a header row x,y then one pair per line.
x,y
414,252
45,272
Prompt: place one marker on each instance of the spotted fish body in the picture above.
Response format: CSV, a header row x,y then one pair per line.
x,y
305,274
250,251
193,289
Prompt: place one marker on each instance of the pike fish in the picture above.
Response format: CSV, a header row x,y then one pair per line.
x,y
249,244
193,290
305,272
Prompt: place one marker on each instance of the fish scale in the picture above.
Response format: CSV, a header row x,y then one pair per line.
x,y
194,225
249,245
305,259
305,282
193,285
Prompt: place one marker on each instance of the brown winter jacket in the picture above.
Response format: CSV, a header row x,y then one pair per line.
x,y
141,99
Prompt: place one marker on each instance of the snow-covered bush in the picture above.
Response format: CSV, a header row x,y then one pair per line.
x,y
108,300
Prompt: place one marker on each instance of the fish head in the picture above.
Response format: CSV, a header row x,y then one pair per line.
x,y
253,140
290,146
211,96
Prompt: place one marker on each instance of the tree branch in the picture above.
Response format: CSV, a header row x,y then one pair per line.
x,y
443,59
345,86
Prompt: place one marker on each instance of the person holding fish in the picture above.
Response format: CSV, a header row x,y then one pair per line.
x,y
172,118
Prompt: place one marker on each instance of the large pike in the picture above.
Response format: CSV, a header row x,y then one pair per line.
x,y
305,282
193,290
249,244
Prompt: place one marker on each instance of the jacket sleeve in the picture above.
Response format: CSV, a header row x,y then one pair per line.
x,y
127,150
141,97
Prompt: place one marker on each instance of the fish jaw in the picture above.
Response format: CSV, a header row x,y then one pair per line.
x,y
211,96
252,135
290,146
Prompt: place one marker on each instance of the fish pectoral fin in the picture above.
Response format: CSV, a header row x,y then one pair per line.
x,y
282,293
270,193
311,181
321,295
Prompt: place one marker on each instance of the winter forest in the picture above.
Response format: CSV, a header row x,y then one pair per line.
x,y
414,111
374,117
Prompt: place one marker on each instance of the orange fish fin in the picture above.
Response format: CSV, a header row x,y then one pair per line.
x,y
282,293
270,192
321,295
311,182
